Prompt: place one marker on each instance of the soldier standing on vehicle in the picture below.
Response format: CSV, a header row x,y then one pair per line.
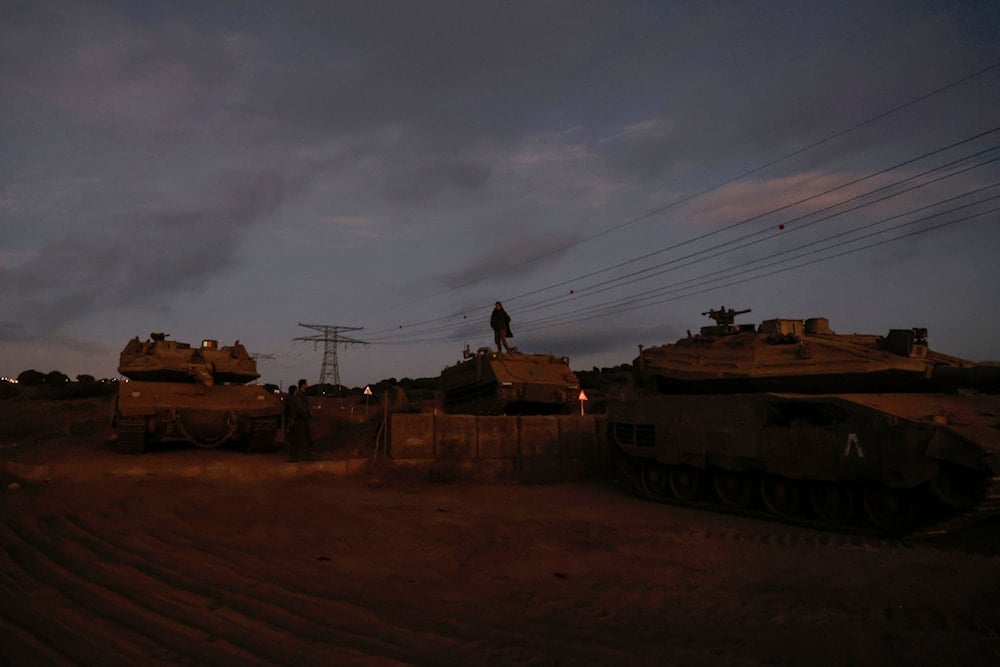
x,y
500,323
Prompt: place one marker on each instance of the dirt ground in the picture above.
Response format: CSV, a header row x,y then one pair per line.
x,y
149,563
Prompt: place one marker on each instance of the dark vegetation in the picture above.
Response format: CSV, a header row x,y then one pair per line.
x,y
55,385
600,384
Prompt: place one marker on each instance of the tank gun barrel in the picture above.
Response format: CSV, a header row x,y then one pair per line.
x,y
982,378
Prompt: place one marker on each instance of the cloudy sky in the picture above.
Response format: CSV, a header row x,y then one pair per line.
x,y
608,170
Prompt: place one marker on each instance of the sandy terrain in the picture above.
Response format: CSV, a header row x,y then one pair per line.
x,y
303,565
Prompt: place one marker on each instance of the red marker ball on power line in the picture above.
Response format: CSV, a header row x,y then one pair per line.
x,y
781,226
571,291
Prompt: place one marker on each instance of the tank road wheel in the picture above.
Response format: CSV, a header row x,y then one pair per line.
x,y
685,482
888,509
832,502
780,494
653,477
733,488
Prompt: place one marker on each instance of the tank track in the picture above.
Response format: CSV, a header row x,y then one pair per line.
x,y
130,435
989,507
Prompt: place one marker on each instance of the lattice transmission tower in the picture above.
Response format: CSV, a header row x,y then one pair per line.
x,y
331,336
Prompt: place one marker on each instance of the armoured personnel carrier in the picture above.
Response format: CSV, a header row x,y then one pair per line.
x,y
791,420
511,383
196,394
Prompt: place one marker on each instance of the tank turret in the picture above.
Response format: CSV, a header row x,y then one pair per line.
x,y
162,360
793,355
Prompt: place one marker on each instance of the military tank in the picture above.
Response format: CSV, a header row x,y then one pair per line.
x,y
790,420
199,395
486,382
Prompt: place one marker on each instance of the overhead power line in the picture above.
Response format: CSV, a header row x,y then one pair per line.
x,y
709,281
792,224
877,195
689,197
644,300
765,165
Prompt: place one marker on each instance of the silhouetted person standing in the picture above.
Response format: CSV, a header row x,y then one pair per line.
x,y
300,432
500,323
287,418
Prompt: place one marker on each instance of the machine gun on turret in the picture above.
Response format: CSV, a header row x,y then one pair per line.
x,y
725,321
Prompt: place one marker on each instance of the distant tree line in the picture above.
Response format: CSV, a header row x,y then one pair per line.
x,y
416,389
598,383
55,384
613,382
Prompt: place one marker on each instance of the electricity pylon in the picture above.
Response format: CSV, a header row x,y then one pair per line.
x,y
330,337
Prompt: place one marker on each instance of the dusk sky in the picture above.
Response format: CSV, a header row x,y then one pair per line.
x,y
608,170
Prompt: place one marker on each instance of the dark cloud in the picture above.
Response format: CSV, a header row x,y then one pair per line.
x,y
512,256
160,153
419,184
96,70
461,73
153,258
12,332
835,71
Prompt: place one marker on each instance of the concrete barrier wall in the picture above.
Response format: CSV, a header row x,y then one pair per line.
x,y
413,438
527,448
